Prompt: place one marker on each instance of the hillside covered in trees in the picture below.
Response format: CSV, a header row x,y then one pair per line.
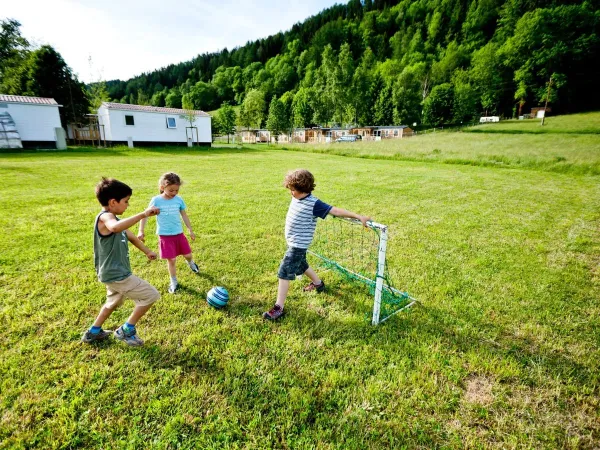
x,y
387,62
391,62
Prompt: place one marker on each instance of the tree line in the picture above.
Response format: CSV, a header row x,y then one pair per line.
x,y
39,72
389,63
396,62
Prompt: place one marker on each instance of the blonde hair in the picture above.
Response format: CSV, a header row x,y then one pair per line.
x,y
168,179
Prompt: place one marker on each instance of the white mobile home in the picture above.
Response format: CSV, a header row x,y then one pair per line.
x,y
34,122
152,125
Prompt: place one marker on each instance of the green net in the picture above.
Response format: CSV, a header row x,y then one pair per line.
x,y
352,250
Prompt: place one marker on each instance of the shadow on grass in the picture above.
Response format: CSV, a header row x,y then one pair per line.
x,y
69,152
122,150
311,317
199,150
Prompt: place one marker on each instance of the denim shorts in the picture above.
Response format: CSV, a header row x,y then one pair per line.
x,y
293,263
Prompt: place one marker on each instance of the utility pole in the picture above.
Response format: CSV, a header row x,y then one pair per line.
x,y
547,96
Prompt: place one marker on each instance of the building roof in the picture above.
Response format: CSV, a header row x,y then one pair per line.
x,y
29,100
155,109
392,126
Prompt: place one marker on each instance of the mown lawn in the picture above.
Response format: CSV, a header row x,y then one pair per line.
x,y
565,144
501,351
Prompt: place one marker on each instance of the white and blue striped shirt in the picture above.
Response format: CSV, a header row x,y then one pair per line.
x,y
301,220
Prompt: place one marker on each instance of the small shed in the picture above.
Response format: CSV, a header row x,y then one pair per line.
x,y
316,134
299,135
248,136
366,132
153,125
35,122
393,132
539,112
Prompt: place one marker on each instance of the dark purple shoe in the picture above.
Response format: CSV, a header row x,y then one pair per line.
x,y
274,313
315,287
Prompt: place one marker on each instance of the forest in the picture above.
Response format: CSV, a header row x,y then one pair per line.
x,y
385,63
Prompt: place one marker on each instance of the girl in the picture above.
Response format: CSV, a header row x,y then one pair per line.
x,y
171,240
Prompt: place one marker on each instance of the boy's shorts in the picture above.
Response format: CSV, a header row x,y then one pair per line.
x,y
138,290
293,263
172,246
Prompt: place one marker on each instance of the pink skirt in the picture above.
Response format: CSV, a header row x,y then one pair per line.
x,y
173,246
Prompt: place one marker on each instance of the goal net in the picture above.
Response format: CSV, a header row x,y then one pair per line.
x,y
359,254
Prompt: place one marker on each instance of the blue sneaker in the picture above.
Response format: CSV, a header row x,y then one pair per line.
x,y
129,337
89,337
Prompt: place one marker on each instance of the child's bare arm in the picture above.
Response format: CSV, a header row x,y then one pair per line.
x,y
116,226
141,236
188,224
339,212
140,245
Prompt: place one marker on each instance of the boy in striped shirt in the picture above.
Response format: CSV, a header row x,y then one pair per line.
x,y
300,224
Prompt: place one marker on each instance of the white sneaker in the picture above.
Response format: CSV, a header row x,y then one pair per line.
x,y
173,287
194,267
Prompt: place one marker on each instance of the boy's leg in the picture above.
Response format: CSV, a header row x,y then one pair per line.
x,y
292,264
310,273
282,291
95,334
144,295
137,313
277,311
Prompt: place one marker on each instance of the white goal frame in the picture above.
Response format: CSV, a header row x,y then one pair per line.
x,y
380,273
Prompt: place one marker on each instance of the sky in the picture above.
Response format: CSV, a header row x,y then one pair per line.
x,y
124,38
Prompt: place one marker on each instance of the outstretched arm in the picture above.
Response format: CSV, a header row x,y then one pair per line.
x,y
116,226
188,224
140,245
339,212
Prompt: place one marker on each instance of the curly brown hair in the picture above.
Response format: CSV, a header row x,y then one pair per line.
x,y
300,180
168,179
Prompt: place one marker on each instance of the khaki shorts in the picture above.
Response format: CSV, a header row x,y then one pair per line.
x,y
138,290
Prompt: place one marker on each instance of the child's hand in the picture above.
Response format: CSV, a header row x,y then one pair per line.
x,y
364,220
152,211
192,235
151,256
141,237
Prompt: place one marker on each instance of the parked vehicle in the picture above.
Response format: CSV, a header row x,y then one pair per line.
x,y
349,138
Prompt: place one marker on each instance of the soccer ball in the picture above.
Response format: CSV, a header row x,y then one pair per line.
x,y
217,297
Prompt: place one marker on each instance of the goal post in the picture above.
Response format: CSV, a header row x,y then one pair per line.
x,y
340,247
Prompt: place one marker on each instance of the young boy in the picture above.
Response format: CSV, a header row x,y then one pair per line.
x,y
300,224
111,258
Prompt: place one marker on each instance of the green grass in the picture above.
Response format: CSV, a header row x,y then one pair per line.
x,y
501,352
565,144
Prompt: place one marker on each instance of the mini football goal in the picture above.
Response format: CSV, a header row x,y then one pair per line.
x,y
359,254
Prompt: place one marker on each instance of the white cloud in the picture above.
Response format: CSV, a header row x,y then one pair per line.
x,y
127,37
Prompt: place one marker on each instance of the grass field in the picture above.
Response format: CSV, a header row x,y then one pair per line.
x,y
501,351
565,144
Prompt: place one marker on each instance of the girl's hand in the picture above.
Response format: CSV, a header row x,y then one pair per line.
x,y
192,236
141,237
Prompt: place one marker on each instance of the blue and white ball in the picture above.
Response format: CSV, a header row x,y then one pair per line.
x,y
217,297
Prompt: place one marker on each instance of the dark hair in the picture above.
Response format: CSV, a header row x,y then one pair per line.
x,y
168,179
109,188
300,180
